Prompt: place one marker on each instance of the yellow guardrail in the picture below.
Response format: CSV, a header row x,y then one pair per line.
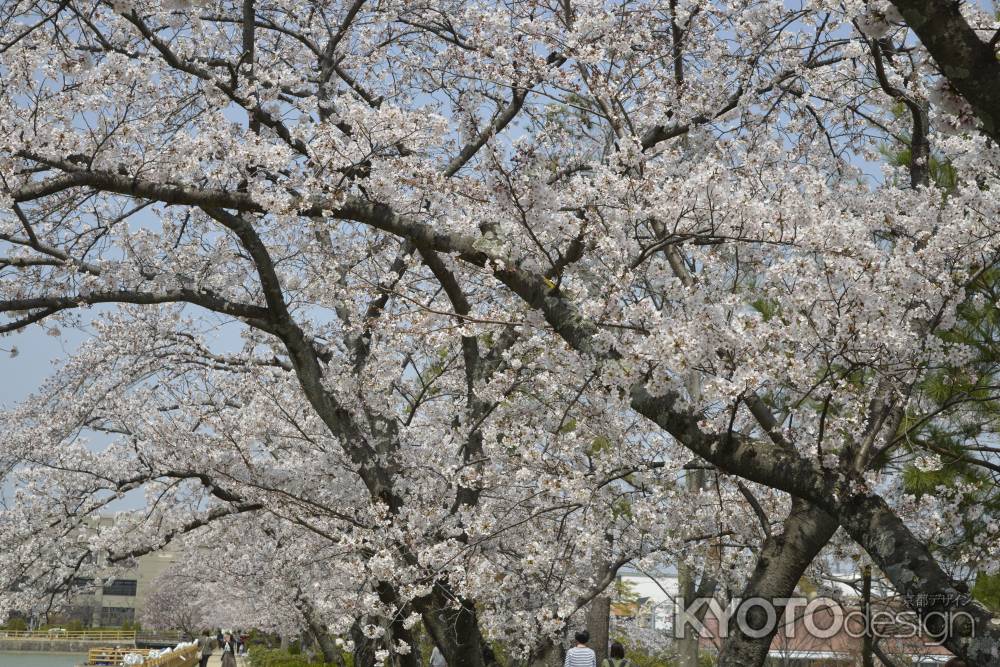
x,y
72,635
184,657
111,656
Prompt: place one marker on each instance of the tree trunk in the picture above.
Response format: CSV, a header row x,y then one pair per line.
x,y
327,646
688,589
549,654
965,58
364,648
782,561
906,561
455,631
687,646
687,651
598,620
867,644
317,630
396,630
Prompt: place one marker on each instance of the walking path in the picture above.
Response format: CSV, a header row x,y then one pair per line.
x,y
216,661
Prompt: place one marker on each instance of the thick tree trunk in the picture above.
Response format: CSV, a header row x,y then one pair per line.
x,y
965,58
317,630
455,631
364,648
549,654
687,652
327,646
598,620
908,564
325,643
782,561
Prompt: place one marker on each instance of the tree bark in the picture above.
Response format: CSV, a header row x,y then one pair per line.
x,y
867,644
549,654
364,648
317,630
455,630
327,646
908,564
598,622
687,646
968,62
396,630
782,561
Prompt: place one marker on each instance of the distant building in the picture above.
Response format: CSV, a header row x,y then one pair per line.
x,y
647,598
119,600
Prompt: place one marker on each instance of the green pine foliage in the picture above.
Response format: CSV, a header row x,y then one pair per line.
x,y
958,418
987,591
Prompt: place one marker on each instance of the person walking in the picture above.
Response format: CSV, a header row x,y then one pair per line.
x,y
205,647
616,657
228,650
581,655
437,660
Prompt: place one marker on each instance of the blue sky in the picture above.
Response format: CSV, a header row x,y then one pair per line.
x,y
37,359
34,362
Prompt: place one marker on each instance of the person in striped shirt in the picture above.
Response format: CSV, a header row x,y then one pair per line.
x,y
581,655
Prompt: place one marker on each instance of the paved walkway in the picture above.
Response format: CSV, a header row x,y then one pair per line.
x,y
216,661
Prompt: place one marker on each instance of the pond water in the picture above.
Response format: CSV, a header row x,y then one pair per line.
x,y
26,659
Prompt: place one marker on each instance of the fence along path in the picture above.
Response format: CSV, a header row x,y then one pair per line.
x,y
116,636
181,658
111,656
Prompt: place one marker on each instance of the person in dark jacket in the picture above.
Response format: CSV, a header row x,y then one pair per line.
x,y
205,646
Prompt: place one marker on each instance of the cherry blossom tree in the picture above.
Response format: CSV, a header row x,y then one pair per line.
x,y
441,299
174,604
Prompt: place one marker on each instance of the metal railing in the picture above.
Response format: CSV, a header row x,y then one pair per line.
x,y
56,634
116,656
172,636
112,656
